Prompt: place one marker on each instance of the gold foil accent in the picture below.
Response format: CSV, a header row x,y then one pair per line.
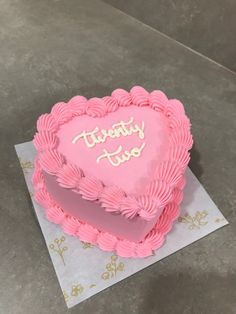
x,y
112,268
66,296
218,220
26,165
57,248
87,245
196,221
92,286
76,290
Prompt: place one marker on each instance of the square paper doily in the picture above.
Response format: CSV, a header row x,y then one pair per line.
x,y
83,270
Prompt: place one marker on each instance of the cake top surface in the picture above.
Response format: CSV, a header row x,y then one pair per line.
x,y
122,148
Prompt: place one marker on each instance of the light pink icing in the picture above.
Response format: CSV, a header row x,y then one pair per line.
x,y
181,183
111,197
73,204
69,176
175,107
71,225
139,96
122,96
180,155
148,208
165,158
60,113
85,157
169,171
158,101
126,248
111,103
46,122
88,233
51,161
178,121
182,137
95,107
55,214
90,188
160,192
45,140
129,207
171,210
154,238
77,105
106,241
177,195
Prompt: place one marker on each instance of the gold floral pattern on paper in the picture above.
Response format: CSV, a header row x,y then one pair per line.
x,y
196,221
92,286
87,245
66,296
112,268
26,165
58,248
76,290
218,220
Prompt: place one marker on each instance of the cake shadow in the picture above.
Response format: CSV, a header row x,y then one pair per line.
x,y
195,164
192,292
192,186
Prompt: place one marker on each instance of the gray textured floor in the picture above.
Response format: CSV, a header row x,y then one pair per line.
x,y
207,26
52,50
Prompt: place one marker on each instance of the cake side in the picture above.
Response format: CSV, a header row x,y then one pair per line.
x,y
91,212
105,240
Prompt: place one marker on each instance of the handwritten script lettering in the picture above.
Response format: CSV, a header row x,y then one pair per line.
x,y
122,128
115,159
119,156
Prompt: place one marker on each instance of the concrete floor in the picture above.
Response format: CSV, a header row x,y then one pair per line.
x,y
206,26
52,50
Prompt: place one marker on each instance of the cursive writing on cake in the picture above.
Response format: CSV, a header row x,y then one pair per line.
x,y
119,129
116,160
97,136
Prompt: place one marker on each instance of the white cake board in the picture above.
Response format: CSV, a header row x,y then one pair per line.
x,y
84,270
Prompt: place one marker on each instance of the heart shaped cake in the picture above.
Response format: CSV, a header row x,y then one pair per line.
x,y
111,170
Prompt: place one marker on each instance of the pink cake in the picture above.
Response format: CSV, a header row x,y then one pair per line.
x,y
111,170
